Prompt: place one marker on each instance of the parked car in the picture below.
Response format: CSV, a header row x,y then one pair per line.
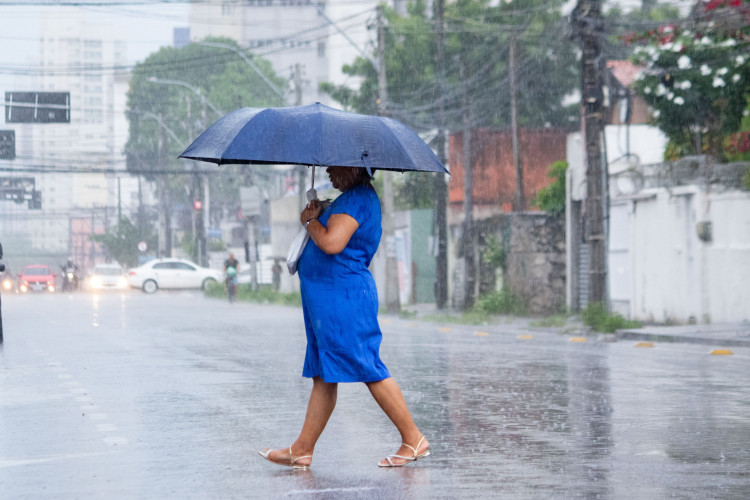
x,y
108,277
36,278
172,273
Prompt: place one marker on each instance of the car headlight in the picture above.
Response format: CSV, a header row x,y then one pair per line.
x,y
51,287
96,282
7,284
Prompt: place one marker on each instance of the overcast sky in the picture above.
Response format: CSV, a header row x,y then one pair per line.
x,y
144,27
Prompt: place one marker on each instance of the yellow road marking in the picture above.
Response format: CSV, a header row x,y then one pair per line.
x,y
445,329
645,344
722,352
481,334
578,339
525,337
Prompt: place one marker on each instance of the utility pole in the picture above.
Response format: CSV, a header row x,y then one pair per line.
x,y
468,229
589,25
119,201
520,199
165,230
392,302
301,170
441,190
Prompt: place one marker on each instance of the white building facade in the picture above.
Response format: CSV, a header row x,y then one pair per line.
x,y
316,37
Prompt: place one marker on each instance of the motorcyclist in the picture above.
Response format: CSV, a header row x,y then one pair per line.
x,y
70,275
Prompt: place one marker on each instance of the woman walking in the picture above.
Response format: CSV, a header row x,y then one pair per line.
x,y
340,307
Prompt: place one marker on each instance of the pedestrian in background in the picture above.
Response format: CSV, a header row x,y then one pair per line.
x,y
231,268
340,308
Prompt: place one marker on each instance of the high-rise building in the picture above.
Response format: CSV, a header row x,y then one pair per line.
x,y
318,37
85,59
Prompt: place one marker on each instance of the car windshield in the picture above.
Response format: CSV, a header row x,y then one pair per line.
x,y
37,271
108,271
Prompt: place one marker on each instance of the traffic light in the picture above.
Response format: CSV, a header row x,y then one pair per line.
x,y
7,144
35,203
197,205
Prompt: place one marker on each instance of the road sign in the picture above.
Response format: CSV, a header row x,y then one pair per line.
x,y
37,107
7,144
35,203
17,189
250,199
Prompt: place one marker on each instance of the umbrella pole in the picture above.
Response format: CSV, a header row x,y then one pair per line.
x,y
311,193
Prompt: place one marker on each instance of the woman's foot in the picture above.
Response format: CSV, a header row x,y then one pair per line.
x,y
286,457
406,454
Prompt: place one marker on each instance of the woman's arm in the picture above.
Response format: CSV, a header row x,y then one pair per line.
x,y
331,239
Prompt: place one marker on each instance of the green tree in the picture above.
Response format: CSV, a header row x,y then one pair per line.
x,y
165,118
221,76
551,198
696,76
477,40
122,243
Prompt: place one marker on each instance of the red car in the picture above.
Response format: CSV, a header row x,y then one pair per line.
x,y
36,278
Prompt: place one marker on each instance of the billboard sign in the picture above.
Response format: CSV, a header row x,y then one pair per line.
x,y
37,107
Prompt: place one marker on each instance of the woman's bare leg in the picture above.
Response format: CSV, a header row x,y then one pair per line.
x,y
388,395
319,409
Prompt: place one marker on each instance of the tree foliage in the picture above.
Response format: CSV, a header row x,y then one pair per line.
x,y
121,244
696,76
477,40
165,118
551,198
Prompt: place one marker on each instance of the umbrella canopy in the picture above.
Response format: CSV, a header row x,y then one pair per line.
x,y
313,135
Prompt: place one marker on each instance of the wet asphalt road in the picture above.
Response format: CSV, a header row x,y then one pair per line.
x,y
170,396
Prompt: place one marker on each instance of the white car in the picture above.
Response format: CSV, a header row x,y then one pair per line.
x,y
108,277
172,273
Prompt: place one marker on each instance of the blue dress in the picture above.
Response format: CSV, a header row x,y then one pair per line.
x,y
340,300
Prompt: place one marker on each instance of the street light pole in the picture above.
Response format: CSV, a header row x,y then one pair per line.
x,y
204,221
249,63
208,103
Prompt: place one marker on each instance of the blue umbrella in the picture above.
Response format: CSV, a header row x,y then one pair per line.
x,y
313,135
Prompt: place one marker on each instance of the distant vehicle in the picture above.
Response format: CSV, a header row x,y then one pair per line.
x,y
172,273
7,284
36,278
108,277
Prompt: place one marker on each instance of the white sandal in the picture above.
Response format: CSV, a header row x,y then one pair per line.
x,y
416,456
292,461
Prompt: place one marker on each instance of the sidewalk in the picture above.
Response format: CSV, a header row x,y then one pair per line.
x,y
726,335
722,335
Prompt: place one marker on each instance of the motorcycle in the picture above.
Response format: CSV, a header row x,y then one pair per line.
x,y
69,279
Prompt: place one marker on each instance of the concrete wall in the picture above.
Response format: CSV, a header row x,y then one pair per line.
x,y
665,265
535,247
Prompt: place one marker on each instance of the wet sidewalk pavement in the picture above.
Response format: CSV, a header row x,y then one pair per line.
x,y
718,335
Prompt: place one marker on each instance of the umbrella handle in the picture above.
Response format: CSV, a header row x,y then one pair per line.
x,y
367,165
